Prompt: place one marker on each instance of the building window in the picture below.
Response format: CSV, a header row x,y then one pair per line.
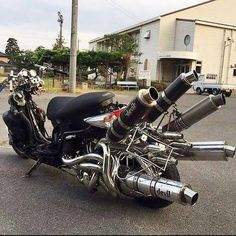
x,y
145,65
182,68
187,40
199,67
136,36
234,72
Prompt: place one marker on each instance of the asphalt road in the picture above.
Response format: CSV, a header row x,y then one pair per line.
x,y
52,202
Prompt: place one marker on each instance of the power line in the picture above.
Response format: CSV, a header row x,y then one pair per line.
x,y
123,10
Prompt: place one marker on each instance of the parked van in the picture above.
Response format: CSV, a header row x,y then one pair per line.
x,y
208,83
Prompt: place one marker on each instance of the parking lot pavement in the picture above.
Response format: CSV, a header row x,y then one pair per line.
x,y
52,202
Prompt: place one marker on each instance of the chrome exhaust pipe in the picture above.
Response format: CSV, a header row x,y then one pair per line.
x,y
107,169
132,114
90,167
103,167
167,189
209,151
196,113
171,94
171,135
85,158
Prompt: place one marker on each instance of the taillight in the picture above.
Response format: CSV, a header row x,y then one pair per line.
x,y
112,116
105,120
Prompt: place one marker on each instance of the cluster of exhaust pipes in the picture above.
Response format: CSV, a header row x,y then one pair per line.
x,y
138,184
148,106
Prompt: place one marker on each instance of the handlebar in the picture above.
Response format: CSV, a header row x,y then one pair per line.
x,y
25,80
30,79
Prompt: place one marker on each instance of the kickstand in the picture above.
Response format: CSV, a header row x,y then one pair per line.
x,y
33,168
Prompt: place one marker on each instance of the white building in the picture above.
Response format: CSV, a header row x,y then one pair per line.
x,y
201,37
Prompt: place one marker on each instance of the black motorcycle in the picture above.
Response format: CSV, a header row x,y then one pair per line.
x,y
111,146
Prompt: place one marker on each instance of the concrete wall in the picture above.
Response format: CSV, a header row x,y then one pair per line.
x,y
229,58
184,28
221,11
93,46
231,79
215,56
149,48
208,45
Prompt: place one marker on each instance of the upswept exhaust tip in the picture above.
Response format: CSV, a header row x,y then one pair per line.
x,y
171,94
153,93
191,76
149,95
218,100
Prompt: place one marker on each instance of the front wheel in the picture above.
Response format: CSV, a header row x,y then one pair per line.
x,y
198,91
170,173
19,151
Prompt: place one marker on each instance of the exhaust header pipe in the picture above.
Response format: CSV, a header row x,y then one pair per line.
x,y
169,190
81,159
171,94
132,114
196,113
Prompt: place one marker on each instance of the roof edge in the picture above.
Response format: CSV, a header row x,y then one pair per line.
x,y
208,23
130,28
186,8
136,26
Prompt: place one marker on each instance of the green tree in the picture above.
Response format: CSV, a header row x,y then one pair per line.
x,y
61,58
99,62
25,59
57,57
124,44
12,49
88,61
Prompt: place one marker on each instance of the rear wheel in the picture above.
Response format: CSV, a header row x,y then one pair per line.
x,y
228,94
209,91
170,173
215,91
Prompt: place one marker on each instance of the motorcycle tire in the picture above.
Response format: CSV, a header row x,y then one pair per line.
x,y
18,151
155,203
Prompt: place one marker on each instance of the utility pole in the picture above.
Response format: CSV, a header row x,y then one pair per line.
x,y
74,46
60,20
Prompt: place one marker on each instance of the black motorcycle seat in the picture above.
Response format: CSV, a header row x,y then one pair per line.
x,y
71,108
55,105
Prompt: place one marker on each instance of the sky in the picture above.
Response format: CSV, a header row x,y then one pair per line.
x,y
34,22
